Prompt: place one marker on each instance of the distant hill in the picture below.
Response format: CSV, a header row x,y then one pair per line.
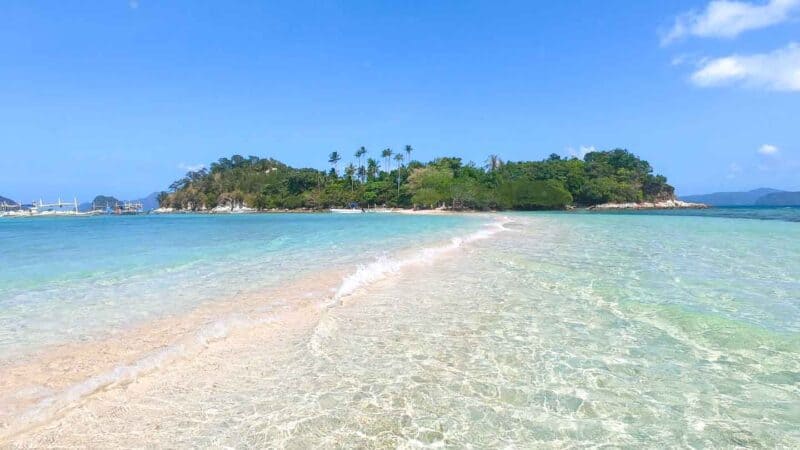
x,y
748,198
7,200
148,203
100,201
780,199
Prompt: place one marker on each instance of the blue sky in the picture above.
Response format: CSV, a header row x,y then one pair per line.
x,y
121,97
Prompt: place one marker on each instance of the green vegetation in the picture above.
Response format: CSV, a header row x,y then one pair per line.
x,y
554,183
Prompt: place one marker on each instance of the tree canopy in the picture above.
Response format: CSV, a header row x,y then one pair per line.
x,y
553,183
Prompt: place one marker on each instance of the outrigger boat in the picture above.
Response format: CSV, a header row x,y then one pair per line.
x,y
10,209
42,209
128,208
353,209
60,208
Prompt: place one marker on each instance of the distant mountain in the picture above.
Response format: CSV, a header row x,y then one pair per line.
x,y
7,200
99,201
748,198
780,199
148,203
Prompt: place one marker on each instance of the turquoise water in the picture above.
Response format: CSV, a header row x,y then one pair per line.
x,y
548,330
782,213
66,279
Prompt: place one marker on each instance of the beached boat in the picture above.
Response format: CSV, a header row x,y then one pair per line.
x,y
379,210
347,210
352,208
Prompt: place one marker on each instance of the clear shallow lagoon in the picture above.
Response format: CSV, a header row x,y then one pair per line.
x,y
64,279
782,213
564,329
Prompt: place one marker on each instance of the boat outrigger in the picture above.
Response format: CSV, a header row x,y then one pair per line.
x,y
61,209
42,209
118,208
128,208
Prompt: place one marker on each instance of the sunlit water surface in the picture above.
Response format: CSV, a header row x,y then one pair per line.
x,y
72,279
561,330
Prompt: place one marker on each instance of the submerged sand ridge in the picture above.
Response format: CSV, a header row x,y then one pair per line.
x,y
56,380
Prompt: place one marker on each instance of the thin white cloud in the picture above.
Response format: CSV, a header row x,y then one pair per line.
x,y
191,167
687,59
778,70
768,150
727,19
581,151
678,60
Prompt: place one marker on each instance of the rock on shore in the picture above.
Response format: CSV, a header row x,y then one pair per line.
x,y
664,204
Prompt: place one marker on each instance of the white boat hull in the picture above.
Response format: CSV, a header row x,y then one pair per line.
x,y
346,211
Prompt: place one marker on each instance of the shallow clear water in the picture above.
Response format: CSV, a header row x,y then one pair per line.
x,y
783,213
67,279
561,330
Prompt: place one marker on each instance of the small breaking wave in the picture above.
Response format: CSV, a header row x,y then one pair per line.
x,y
368,274
384,267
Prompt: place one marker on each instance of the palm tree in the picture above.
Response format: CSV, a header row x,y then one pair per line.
x,y
334,159
387,154
399,158
359,154
372,169
408,152
349,171
362,173
493,163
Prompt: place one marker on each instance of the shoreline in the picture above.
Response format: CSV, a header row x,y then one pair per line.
x,y
662,205
327,211
669,204
666,204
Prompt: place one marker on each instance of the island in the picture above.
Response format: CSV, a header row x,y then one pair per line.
x,y
600,180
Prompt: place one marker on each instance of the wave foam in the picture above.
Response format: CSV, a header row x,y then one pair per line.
x,y
368,274
380,269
